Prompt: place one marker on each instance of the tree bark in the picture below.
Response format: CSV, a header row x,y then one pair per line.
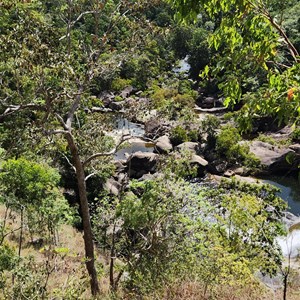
x,y
87,228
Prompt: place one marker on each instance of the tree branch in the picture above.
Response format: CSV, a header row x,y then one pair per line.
x,y
11,109
123,139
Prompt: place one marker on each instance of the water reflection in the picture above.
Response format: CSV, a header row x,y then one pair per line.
x,y
290,191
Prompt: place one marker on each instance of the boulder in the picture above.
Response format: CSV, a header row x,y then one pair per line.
x,y
140,163
191,146
201,164
217,167
200,161
155,128
112,186
163,145
126,92
106,97
272,158
116,105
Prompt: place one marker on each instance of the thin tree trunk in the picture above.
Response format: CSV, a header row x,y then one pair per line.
x,y
285,284
87,228
112,260
21,231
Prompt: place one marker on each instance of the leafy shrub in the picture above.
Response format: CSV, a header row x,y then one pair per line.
x,y
209,126
296,135
178,135
119,84
227,144
265,138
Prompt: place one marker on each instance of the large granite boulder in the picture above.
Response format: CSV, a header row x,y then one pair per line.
x,y
140,163
272,158
163,145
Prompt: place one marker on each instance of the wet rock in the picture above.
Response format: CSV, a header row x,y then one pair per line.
x,y
163,145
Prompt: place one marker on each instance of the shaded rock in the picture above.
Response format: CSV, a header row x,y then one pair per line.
x,y
140,163
155,128
217,167
191,146
163,145
229,173
116,105
126,92
112,186
272,158
106,97
201,164
209,101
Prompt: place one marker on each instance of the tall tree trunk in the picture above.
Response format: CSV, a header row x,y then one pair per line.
x,y
87,228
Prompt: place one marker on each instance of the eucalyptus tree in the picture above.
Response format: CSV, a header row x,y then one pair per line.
x,y
254,50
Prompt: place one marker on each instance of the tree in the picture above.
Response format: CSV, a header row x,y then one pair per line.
x,y
47,70
249,37
31,189
54,59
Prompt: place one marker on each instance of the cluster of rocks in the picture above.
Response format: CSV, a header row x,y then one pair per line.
x,y
273,159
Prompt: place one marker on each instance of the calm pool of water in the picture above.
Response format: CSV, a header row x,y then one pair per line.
x,y
290,191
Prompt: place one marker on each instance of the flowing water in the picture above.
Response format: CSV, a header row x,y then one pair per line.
x,y
137,131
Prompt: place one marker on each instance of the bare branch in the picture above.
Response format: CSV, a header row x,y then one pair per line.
x,y
11,109
82,15
62,122
90,175
68,161
123,139
73,108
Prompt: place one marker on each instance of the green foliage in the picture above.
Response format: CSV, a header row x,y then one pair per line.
x,y
267,139
32,188
173,102
178,135
252,63
209,126
296,135
228,144
178,165
241,204
119,84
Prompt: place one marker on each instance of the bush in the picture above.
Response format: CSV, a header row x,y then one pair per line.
x,y
120,84
227,144
178,135
296,135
